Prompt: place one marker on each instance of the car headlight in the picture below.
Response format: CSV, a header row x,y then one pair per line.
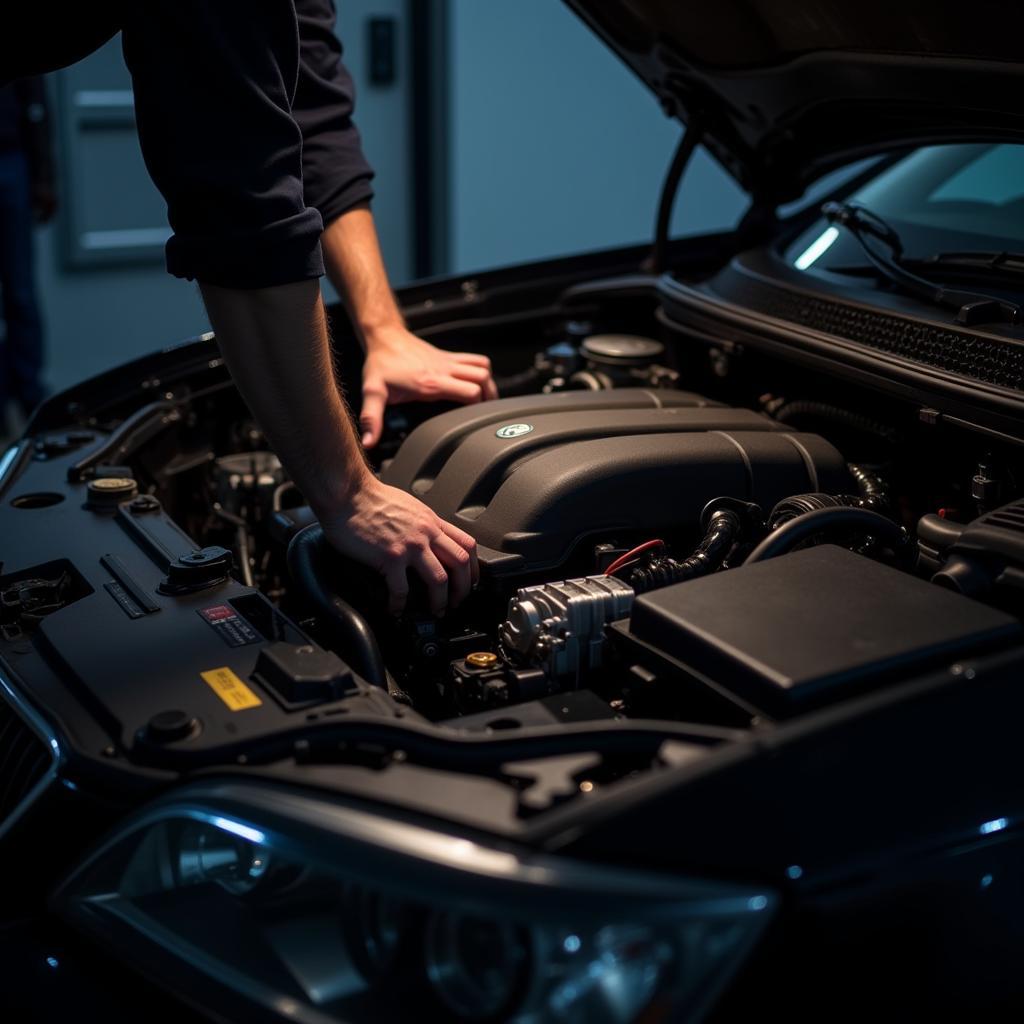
x,y
319,912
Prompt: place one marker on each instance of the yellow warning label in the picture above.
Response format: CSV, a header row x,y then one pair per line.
x,y
230,689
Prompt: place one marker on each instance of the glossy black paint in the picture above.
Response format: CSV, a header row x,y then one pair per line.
x,y
891,822
785,91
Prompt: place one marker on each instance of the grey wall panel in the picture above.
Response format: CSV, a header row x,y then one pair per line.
x,y
555,146
111,214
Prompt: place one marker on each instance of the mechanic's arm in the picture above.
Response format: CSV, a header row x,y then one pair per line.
x,y
213,87
336,181
276,346
399,366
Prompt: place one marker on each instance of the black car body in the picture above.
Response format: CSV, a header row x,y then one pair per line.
x,y
731,723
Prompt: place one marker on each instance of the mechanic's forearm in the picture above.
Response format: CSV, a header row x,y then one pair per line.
x,y
277,349
356,268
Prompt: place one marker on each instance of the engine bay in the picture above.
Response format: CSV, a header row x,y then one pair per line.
x,y
673,540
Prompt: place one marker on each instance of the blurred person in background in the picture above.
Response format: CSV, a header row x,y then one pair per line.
x,y
27,196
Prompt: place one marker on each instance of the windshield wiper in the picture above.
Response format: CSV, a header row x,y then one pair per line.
x,y
868,228
1005,263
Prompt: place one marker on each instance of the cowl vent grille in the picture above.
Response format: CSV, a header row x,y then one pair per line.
x,y
986,359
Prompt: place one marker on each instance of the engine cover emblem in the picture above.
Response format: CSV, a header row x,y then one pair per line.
x,y
513,430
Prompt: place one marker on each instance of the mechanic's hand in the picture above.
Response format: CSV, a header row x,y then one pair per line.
x,y
392,531
400,367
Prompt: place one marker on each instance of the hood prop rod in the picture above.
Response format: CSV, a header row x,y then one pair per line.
x,y
687,144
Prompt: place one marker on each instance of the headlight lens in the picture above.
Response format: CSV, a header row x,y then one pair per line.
x,y
478,967
206,853
319,912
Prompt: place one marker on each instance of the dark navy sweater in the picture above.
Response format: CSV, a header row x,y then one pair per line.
x,y
244,112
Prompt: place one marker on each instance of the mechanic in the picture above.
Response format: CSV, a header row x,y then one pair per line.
x,y
26,192
244,115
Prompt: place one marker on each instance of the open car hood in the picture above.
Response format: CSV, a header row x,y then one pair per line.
x,y
786,90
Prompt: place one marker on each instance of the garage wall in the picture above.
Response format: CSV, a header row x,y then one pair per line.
x,y
555,146
96,319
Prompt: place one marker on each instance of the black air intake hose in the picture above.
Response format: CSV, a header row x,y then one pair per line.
x,y
974,557
939,534
801,504
873,496
349,634
874,491
722,532
837,520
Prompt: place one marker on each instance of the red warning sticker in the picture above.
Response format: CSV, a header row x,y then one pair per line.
x,y
230,626
218,612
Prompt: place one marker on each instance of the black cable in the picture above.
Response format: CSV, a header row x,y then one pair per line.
x,y
349,633
830,521
687,144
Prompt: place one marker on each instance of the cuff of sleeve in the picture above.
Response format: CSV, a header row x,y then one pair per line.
x,y
354,192
288,252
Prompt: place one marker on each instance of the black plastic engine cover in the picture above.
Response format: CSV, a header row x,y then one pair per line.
x,y
429,447
530,481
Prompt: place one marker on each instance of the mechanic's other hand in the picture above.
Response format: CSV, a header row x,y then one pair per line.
x,y
392,532
400,367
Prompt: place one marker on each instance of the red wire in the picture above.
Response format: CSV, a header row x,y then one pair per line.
x,y
630,555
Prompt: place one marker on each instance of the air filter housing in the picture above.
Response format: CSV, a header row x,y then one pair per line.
x,y
814,626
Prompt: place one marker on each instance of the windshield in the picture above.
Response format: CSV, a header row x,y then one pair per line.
x,y
939,199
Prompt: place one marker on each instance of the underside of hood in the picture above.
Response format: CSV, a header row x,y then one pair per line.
x,y
786,90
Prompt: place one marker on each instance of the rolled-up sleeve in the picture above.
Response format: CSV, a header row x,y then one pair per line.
x,y
214,85
336,174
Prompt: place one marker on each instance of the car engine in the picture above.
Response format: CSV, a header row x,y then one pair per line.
x,y
702,569
725,556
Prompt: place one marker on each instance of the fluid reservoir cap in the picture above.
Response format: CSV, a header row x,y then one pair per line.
x,y
171,726
197,570
621,349
107,492
481,659
144,503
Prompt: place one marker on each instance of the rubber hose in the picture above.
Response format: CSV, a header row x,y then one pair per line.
x,y
938,533
721,534
802,504
869,483
874,491
350,635
522,383
823,411
829,520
